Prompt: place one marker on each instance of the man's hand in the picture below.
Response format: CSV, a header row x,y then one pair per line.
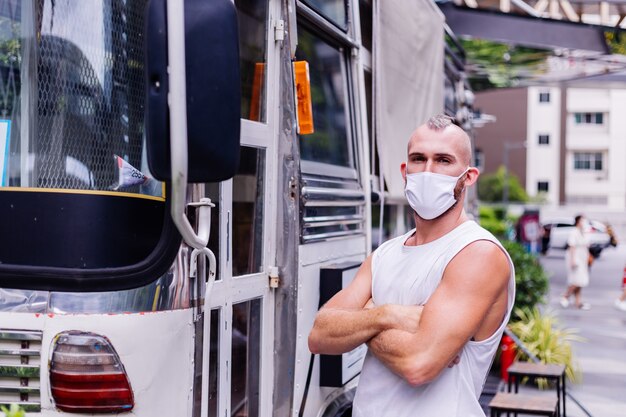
x,y
455,361
405,318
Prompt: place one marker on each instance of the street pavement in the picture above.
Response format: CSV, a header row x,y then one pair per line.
x,y
602,358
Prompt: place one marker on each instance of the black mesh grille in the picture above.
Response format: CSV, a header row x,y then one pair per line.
x,y
90,94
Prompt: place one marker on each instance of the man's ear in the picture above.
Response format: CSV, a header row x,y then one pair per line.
x,y
472,176
403,170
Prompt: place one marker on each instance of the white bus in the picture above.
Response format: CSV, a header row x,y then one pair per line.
x,y
104,307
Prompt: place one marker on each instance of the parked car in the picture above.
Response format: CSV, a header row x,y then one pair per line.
x,y
594,230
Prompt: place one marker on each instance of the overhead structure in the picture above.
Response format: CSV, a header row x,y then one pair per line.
x,y
579,33
523,30
610,13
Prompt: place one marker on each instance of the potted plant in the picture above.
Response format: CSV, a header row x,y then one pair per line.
x,y
543,336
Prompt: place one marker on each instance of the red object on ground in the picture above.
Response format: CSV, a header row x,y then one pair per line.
x,y
507,356
624,278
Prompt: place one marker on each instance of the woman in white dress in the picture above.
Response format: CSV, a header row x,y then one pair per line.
x,y
577,262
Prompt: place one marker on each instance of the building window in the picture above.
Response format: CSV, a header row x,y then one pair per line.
x,y
544,139
588,161
589,118
544,97
542,186
479,159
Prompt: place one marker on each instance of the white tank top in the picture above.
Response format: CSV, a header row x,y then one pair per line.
x,y
396,279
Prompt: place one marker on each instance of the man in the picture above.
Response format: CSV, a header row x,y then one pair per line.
x,y
431,304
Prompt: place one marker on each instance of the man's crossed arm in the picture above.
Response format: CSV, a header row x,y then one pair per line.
x,y
344,323
470,302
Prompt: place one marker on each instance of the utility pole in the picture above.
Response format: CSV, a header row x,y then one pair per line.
x,y
505,160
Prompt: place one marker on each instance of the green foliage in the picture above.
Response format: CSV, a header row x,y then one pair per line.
x,y
14,411
490,187
497,65
616,41
492,219
530,278
545,338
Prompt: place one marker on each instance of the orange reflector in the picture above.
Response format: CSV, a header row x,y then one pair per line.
x,y
303,95
257,92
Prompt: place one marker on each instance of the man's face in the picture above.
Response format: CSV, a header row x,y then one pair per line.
x,y
442,151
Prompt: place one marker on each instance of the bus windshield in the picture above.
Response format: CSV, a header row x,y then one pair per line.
x,y
75,188
72,97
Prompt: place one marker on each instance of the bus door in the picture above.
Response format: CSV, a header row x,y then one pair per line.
x,y
239,308
333,194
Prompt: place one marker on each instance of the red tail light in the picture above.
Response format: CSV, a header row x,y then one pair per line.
x,y
87,376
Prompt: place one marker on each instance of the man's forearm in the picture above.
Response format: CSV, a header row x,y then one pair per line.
x,y
389,347
338,331
401,352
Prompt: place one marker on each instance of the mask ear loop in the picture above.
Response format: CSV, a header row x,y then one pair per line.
x,y
459,177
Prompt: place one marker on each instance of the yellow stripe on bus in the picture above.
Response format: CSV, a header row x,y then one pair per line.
x,y
87,192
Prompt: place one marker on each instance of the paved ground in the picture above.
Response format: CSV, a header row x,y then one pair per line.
x,y
603,357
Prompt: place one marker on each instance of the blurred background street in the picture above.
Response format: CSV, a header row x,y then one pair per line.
x,y
602,358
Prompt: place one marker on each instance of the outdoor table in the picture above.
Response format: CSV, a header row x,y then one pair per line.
x,y
535,405
539,370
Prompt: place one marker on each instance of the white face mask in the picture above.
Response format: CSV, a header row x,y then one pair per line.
x,y
430,194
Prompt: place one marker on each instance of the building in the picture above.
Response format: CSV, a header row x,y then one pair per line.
x,y
566,144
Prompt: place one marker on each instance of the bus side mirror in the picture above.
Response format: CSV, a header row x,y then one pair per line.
x,y
213,90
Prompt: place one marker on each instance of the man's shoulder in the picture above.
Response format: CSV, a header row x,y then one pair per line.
x,y
481,246
471,232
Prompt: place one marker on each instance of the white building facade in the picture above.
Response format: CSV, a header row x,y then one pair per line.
x,y
543,143
576,150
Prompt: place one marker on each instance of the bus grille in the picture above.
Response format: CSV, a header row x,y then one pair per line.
x,y
20,360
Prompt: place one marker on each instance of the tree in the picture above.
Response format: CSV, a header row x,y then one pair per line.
x,y
490,187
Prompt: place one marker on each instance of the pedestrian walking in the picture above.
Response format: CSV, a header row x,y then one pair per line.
x,y
577,261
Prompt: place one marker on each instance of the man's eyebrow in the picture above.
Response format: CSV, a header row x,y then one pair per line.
x,y
437,155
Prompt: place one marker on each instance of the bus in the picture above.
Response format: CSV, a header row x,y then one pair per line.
x,y
183,184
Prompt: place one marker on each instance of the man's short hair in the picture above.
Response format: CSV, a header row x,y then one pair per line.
x,y
440,122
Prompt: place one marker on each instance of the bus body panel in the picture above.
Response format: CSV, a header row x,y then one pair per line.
x,y
314,257
150,357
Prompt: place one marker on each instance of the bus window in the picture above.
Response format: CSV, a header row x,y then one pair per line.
x,y
246,348
248,191
366,15
333,10
329,143
252,16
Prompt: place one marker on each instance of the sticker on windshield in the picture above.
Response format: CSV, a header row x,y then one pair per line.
x,y
129,176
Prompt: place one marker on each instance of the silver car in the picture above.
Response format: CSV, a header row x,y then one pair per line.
x,y
594,230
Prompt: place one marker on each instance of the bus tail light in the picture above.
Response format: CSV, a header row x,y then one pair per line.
x,y
87,376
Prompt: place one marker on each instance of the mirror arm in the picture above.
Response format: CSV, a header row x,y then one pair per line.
x,y
177,100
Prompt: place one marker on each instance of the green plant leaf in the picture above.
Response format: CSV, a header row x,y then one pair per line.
x,y
543,336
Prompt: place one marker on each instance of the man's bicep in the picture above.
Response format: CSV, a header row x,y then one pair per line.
x,y
468,291
358,292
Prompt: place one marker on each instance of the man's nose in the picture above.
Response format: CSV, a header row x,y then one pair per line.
x,y
429,166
